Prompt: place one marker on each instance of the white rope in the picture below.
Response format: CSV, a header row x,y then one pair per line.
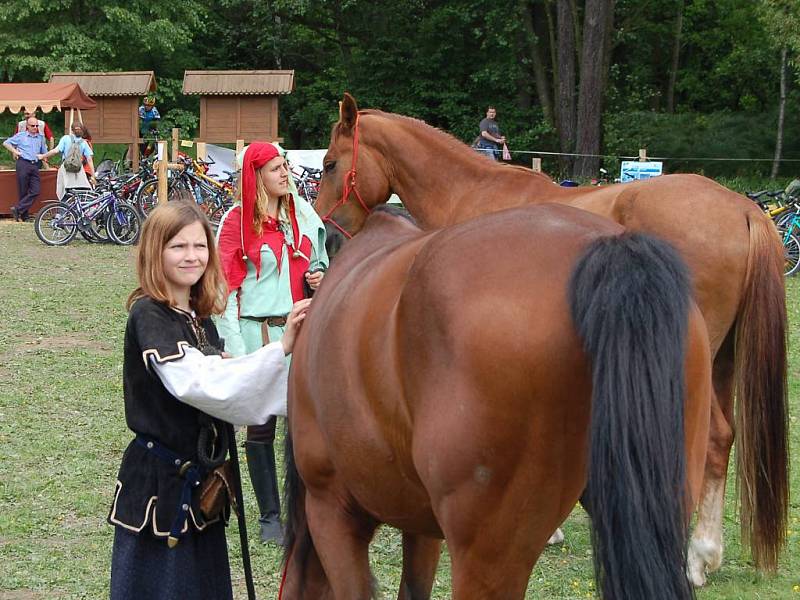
x,y
662,158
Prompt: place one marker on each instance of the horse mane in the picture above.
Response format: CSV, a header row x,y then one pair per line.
x,y
447,139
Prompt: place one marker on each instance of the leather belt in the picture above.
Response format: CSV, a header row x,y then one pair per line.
x,y
33,162
271,321
192,476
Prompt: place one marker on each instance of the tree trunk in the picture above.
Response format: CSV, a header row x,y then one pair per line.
x,y
530,20
566,81
776,163
676,54
596,29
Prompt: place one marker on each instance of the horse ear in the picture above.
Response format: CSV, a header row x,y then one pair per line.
x,y
348,109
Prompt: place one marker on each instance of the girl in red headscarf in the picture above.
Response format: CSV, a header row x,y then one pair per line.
x,y
269,245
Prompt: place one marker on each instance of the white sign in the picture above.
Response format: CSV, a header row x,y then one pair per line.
x,y
633,170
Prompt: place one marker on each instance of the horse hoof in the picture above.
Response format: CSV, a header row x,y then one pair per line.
x,y
556,538
704,557
696,575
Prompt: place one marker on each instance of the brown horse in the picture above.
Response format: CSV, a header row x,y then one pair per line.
x,y
734,256
467,383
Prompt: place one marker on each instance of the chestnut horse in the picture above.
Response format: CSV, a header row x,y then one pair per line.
x,y
733,253
466,384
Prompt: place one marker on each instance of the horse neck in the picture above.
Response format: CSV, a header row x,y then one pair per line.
x,y
440,181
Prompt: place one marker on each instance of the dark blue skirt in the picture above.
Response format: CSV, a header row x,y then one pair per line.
x,y
143,567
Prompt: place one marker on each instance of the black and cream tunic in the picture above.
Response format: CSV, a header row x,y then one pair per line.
x,y
168,385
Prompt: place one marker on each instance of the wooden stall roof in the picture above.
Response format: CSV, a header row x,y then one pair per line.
x,y
120,83
238,83
43,96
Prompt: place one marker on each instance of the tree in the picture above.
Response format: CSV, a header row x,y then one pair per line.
x,y
593,78
782,19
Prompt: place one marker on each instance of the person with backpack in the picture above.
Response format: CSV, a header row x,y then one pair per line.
x,y
74,152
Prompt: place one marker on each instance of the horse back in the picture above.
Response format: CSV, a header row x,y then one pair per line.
x,y
442,333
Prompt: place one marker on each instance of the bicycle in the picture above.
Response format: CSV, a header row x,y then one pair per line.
x,y
777,205
307,182
85,211
191,182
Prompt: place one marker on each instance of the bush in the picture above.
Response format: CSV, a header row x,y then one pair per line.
x,y
690,140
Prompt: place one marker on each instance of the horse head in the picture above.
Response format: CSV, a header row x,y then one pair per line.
x,y
355,178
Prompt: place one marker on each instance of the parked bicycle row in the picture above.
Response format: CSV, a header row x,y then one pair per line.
x,y
783,207
114,209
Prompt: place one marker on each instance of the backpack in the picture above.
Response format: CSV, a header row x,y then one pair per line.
x,y
73,162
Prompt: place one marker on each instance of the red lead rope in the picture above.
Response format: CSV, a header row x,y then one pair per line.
x,y
349,187
283,577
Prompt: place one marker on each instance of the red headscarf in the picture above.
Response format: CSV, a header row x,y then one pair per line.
x,y
238,242
256,156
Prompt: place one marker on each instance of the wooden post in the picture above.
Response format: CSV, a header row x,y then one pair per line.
x,y
537,164
642,154
202,153
176,140
133,152
239,148
162,172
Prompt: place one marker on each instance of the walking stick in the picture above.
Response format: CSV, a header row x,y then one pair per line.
x,y
248,571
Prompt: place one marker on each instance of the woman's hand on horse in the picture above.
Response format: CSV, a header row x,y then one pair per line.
x,y
314,279
293,324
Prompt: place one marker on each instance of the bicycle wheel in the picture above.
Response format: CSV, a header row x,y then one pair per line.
x,y
791,255
179,190
783,220
147,196
216,213
56,224
97,230
124,225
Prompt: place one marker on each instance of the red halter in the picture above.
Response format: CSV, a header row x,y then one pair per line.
x,y
348,188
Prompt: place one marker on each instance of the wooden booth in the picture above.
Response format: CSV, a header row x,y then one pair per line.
x,y
118,95
238,105
44,97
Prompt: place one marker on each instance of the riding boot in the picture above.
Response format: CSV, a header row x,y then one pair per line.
x,y
263,475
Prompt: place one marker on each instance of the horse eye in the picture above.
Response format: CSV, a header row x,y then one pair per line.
x,y
329,166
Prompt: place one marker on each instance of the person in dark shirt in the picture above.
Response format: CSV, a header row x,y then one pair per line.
x,y
491,140
179,389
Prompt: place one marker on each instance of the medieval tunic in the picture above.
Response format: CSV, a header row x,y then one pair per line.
x,y
270,289
168,386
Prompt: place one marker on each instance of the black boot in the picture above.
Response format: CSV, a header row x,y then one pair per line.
x,y
263,475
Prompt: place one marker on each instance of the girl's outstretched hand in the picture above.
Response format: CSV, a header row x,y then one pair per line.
x,y
293,323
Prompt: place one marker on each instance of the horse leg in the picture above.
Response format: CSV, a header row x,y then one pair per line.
x,y
556,538
341,537
492,555
706,546
304,578
420,559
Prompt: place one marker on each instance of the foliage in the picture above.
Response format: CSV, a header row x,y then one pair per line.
x,y
690,141
439,60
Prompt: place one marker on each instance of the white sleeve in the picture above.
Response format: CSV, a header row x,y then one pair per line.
x,y
244,390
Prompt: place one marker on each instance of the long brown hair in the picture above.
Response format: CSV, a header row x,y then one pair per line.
x,y
207,295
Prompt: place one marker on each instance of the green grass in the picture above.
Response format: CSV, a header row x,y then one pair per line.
x,y
62,433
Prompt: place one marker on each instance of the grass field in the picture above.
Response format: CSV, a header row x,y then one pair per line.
x,y
62,433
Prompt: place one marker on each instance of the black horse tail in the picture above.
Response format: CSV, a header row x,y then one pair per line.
x,y
298,545
630,299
